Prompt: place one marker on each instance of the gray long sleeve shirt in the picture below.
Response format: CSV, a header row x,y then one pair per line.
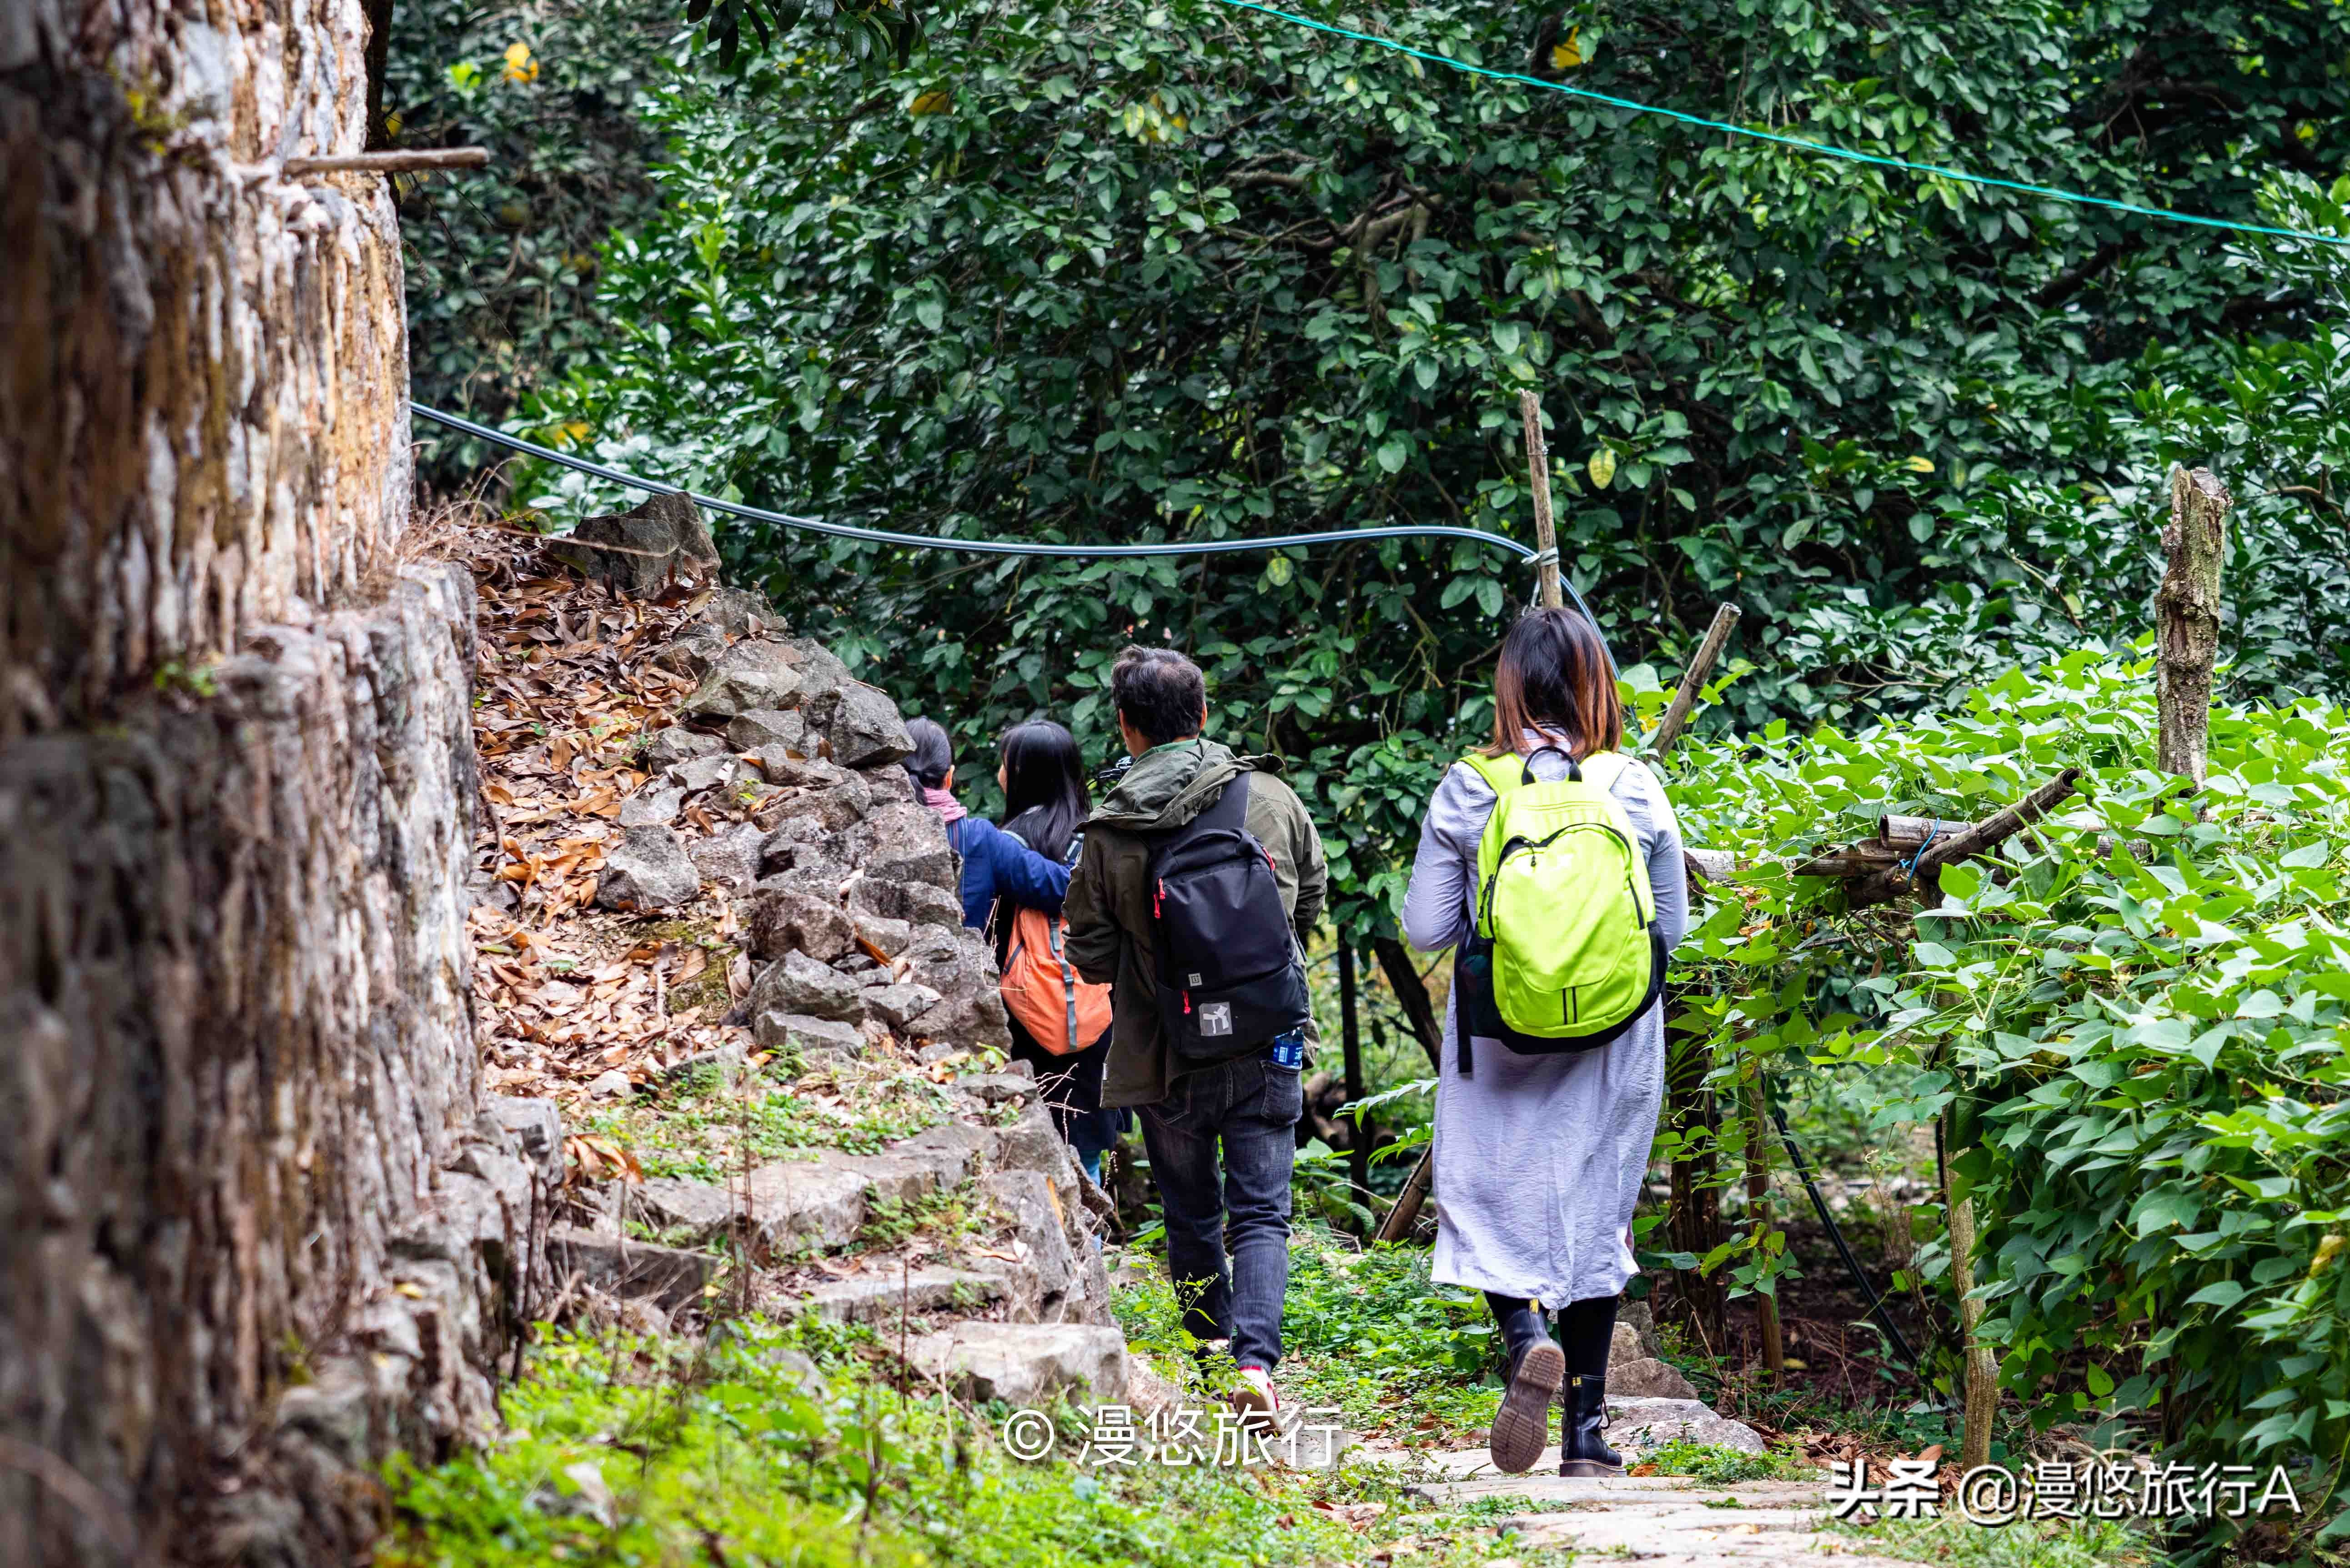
x,y
1539,1159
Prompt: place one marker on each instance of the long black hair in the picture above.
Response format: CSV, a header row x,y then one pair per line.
x,y
1043,786
933,756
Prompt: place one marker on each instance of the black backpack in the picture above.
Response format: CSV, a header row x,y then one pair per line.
x,y
1231,977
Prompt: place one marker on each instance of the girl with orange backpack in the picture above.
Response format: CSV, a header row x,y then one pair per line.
x,y
1013,879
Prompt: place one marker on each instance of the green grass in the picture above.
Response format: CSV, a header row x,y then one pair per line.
x,y
2026,1543
699,1130
1722,1466
941,1218
1366,1334
715,1455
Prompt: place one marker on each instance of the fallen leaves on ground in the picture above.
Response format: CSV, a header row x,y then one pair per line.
x,y
565,693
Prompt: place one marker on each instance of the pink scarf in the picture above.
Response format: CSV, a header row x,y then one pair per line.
x,y
948,808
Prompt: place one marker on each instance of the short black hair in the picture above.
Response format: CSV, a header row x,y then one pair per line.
x,y
1160,693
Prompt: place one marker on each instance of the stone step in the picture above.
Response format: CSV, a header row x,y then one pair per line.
x,y
1665,1530
1026,1365
1635,1427
822,1202
883,1297
670,1277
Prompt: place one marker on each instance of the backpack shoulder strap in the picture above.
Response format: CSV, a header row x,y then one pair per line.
x,y
1605,769
1230,813
1503,774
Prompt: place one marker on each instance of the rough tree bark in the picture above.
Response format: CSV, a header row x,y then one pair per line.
x,y
2187,619
235,773
1979,1395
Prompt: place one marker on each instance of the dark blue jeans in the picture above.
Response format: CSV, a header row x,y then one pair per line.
x,y
1249,1107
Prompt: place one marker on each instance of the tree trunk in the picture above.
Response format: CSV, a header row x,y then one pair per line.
x,y
237,1057
1980,1407
1358,1151
2186,619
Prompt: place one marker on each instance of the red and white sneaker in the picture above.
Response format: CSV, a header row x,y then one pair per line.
x,y
1255,1397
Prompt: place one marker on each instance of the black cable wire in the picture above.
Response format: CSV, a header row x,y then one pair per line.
x,y
979,546
1844,1248
1011,546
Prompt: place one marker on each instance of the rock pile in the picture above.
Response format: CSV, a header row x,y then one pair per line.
x,y
774,786
781,784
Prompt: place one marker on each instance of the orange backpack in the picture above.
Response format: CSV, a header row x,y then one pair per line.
x,y
1041,989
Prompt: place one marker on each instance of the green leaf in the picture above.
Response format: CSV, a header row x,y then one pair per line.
x,y
1394,452
2223,1294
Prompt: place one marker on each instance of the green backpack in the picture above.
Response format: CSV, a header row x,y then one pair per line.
x,y
1565,952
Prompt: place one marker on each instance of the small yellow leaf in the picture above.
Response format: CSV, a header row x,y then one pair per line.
x,y
1602,467
409,1289
1568,55
2326,1250
935,101
520,67
1917,464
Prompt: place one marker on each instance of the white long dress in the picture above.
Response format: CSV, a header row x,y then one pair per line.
x,y
1539,1159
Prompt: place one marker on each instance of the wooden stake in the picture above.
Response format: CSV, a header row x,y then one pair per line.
x,y
2186,619
1694,1212
1981,1407
1677,713
414,161
1405,1212
1394,961
1538,475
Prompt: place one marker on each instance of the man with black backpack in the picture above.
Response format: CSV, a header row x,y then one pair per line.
x,y
1201,876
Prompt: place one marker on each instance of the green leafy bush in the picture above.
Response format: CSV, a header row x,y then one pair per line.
x,y
2129,1022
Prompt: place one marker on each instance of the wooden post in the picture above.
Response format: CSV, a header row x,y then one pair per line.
x,y
1677,714
410,162
1405,1212
1538,475
1394,961
1694,1212
1358,1153
2186,619
1980,1394
1758,1204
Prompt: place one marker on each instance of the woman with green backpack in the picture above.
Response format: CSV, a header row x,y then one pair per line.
x,y
1550,864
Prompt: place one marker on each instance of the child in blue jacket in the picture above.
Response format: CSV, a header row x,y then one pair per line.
x,y
1026,864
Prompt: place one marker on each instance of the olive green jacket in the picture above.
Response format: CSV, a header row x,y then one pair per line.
x,y
1112,936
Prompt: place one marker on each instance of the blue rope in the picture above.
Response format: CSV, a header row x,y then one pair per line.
x,y
1909,870
1825,149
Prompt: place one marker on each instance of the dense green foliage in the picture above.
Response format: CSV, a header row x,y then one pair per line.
x,y
1142,271
502,261
1135,271
2130,1023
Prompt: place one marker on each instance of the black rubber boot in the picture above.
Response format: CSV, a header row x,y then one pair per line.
x,y
1536,1367
1588,1329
